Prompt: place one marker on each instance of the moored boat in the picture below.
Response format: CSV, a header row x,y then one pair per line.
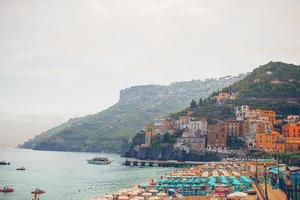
x,y
21,168
4,163
6,189
99,161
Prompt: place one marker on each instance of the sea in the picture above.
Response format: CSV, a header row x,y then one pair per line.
x,y
67,175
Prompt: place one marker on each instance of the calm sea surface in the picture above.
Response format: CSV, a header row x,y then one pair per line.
x,y
66,175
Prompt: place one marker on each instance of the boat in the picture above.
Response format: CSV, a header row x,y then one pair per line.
x,y
6,189
38,191
99,161
4,163
21,168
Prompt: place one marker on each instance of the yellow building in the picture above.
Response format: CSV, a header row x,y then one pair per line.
x,y
270,142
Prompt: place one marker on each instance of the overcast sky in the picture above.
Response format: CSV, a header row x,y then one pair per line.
x,y
67,58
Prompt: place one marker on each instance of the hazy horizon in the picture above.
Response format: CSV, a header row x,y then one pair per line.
x,y
65,59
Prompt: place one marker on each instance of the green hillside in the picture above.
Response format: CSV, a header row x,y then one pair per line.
x,y
273,80
110,129
274,86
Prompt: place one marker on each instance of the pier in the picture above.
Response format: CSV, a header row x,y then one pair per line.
x,y
159,163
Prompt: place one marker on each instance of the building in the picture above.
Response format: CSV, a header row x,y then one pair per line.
x,y
271,115
241,112
234,128
184,122
292,135
252,115
292,119
188,144
270,142
222,97
149,134
163,125
252,128
198,126
217,136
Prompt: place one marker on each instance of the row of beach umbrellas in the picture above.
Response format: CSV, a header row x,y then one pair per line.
x,y
134,194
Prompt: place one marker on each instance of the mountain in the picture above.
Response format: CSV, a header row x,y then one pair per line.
x,y
110,129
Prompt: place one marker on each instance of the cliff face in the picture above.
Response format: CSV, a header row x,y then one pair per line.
x,y
110,129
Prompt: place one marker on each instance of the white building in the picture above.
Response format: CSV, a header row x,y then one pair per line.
x,y
198,126
292,119
241,112
188,144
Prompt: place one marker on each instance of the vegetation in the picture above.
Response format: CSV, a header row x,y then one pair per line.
x,y
257,91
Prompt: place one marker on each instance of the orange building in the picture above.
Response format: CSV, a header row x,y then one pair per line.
x,y
292,134
270,142
269,114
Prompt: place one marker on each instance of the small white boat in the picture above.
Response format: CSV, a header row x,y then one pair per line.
x,y
99,161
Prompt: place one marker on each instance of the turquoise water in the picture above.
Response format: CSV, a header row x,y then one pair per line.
x,y
66,175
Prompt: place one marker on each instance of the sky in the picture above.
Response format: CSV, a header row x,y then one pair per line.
x,y
62,59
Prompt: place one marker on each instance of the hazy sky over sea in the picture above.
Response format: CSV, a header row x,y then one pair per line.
x,y
67,58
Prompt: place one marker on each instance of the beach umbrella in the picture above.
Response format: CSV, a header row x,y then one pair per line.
x,y
146,194
152,183
123,198
132,194
144,185
153,191
162,194
237,195
158,187
154,198
138,198
160,181
140,191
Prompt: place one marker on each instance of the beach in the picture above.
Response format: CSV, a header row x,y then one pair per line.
x,y
210,181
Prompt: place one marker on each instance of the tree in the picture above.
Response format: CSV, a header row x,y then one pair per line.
x,y
200,104
193,104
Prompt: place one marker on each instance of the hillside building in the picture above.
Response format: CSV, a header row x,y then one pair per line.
x,y
198,126
270,142
292,134
217,136
292,119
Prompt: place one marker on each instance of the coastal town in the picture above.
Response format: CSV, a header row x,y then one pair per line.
x,y
254,145
251,129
